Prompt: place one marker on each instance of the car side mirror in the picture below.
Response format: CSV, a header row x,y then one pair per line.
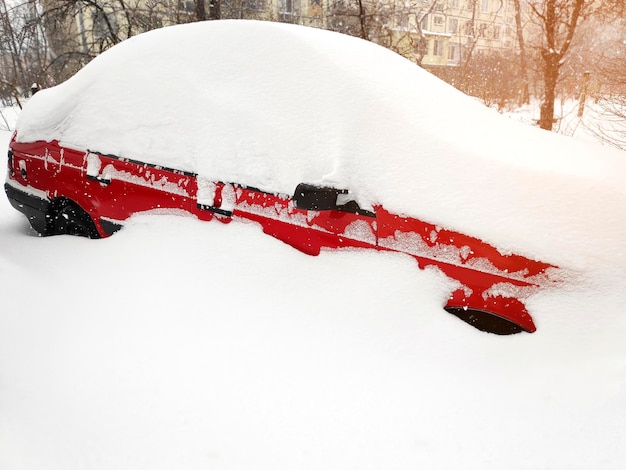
x,y
317,198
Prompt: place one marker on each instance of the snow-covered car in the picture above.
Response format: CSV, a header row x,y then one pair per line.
x,y
326,141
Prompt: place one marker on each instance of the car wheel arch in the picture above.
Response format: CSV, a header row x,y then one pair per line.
x,y
67,217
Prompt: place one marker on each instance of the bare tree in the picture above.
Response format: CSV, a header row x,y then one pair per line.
x,y
200,10
609,124
353,17
422,11
396,25
557,21
603,57
72,32
22,48
215,10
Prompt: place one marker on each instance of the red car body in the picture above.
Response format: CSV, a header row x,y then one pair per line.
x,y
64,190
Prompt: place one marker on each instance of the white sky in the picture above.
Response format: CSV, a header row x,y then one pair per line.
x,y
190,345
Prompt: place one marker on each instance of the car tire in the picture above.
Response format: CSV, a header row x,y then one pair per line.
x,y
68,218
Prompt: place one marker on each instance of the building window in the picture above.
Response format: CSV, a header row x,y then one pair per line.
x,y
288,8
482,30
453,53
437,20
469,28
438,47
186,6
485,6
453,25
496,31
257,5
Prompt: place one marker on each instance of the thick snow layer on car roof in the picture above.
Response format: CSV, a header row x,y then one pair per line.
x,y
272,105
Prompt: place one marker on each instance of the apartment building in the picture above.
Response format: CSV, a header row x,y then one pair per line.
x,y
431,32
454,29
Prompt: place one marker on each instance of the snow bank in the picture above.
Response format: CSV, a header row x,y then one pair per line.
x,y
178,344
272,105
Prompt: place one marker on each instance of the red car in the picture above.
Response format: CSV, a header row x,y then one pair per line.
x,y
77,192
81,190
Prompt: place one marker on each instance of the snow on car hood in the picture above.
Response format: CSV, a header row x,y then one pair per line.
x,y
271,105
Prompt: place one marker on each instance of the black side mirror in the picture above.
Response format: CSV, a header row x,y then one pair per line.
x,y
318,198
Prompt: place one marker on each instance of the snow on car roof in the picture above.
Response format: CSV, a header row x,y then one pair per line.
x,y
271,105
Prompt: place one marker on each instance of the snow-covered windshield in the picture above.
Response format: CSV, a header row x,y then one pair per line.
x,y
272,105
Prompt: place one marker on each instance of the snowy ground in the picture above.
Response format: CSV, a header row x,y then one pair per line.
x,y
190,345
585,128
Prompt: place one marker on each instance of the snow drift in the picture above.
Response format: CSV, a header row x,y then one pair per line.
x,y
271,105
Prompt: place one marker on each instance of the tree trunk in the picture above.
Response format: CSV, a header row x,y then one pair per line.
x,y
550,78
471,40
200,10
559,19
525,95
362,19
215,7
422,43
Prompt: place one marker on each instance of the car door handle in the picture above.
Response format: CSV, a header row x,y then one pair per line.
x,y
99,179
